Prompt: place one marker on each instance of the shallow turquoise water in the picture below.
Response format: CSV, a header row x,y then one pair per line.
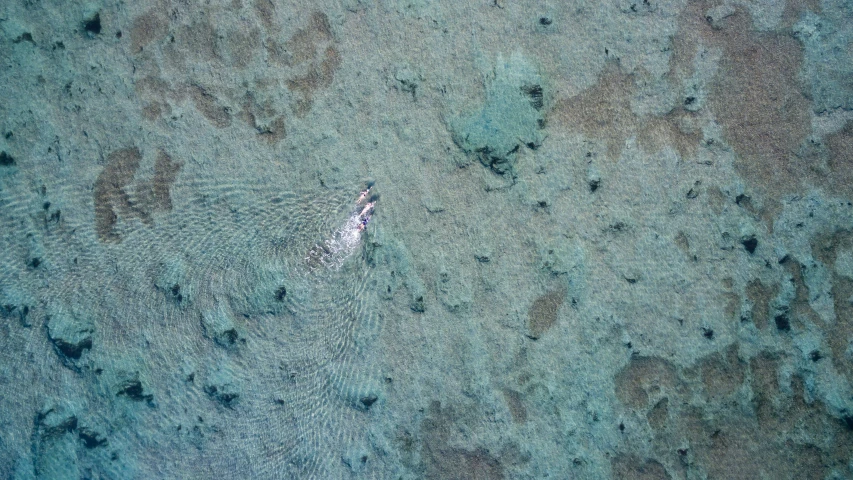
x,y
609,240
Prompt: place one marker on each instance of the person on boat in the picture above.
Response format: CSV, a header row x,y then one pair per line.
x,y
364,193
367,209
362,225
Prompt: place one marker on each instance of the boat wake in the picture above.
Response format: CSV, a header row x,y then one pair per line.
x,y
334,251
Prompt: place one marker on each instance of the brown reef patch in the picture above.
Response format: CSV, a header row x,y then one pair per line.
x,y
722,374
658,415
265,10
209,106
800,309
311,55
306,62
603,112
516,405
145,29
113,188
840,161
542,315
759,295
696,428
307,44
632,467
441,460
165,172
154,92
826,248
794,9
110,191
643,379
755,96
273,129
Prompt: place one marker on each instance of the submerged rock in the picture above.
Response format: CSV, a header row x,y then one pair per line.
x,y
510,119
70,335
15,304
222,388
54,447
219,326
54,421
131,386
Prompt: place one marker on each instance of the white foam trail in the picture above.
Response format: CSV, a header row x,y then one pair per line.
x,y
343,243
